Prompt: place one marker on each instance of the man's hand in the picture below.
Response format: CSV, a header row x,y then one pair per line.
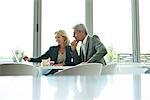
x,y
74,45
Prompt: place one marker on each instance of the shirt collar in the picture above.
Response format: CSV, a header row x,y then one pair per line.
x,y
85,39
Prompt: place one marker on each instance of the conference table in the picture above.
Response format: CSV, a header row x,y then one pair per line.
x,y
104,87
121,85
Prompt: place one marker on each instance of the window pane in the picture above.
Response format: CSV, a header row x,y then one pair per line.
x,y
16,22
60,14
112,23
144,30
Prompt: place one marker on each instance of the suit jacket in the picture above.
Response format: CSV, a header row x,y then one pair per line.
x,y
94,50
53,54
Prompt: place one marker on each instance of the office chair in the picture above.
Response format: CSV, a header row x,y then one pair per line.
x,y
12,69
82,69
124,68
131,68
109,69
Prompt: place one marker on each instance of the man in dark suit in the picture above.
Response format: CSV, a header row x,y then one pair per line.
x,y
92,49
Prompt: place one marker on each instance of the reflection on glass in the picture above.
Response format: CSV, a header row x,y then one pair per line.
x,y
16,88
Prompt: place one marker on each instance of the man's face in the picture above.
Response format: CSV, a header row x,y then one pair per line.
x,y
79,36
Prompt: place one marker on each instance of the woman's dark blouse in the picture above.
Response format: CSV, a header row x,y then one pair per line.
x,y
52,53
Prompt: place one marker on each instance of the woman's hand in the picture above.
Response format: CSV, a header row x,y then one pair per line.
x,y
26,58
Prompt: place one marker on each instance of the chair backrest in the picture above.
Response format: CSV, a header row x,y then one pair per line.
x,y
131,68
12,69
109,69
82,69
124,68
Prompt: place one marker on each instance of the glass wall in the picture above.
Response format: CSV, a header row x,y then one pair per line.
x,y
112,23
144,30
16,22
60,14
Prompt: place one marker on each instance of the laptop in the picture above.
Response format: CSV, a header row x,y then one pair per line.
x,y
16,58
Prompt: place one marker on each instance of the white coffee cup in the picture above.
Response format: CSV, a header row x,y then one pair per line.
x,y
45,62
51,63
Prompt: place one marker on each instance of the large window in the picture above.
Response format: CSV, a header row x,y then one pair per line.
x,y
144,30
16,23
60,14
113,24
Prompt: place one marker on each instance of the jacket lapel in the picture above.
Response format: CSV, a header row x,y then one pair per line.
x,y
57,51
81,55
67,53
86,49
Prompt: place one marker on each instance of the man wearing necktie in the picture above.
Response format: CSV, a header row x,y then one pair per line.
x,y
92,49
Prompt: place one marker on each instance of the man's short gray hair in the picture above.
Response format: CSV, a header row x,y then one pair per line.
x,y
80,28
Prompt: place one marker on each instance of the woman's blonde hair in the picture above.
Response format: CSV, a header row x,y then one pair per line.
x,y
63,34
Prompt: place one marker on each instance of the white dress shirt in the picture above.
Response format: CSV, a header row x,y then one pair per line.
x,y
83,45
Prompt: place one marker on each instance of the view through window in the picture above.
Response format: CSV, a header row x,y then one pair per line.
x,y
144,30
113,24
16,22
60,14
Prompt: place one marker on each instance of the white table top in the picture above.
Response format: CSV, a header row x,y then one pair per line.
x,y
111,87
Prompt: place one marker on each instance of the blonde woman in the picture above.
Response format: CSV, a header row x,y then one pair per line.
x,y
60,54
